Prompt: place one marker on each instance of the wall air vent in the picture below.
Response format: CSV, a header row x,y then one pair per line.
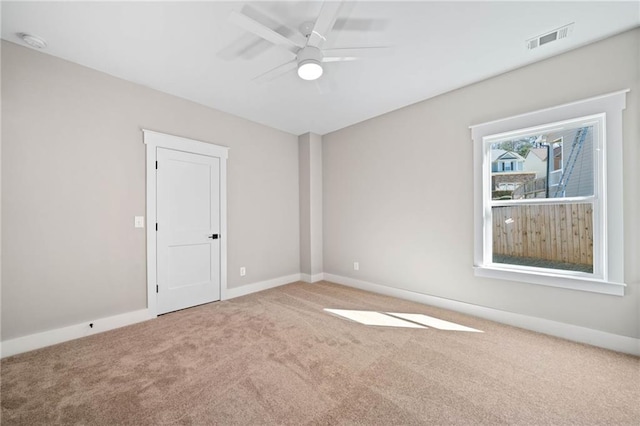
x,y
557,34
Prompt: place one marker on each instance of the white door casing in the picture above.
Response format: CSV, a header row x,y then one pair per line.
x,y
186,197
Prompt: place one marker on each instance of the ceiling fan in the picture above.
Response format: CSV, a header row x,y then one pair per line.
x,y
309,55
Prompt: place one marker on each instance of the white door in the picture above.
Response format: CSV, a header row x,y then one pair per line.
x,y
188,228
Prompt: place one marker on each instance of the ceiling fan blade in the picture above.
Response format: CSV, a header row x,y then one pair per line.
x,y
339,58
243,21
326,84
319,86
274,23
247,47
360,24
356,52
347,22
276,72
324,23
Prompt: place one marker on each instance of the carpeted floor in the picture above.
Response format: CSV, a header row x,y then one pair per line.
x,y
277,357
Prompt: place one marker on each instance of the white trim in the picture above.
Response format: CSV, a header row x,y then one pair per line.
x,y
312,278
59,335
571,332
609,233
165,140
500,122
154,140
260,286
551,279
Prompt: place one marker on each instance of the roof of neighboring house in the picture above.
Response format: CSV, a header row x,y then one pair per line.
x,y
501,154
541,153
495,153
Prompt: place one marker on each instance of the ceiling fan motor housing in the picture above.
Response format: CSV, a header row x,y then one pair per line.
x,y
309,54
309,63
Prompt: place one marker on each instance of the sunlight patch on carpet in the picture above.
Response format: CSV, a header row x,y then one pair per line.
x,y
373,318
434,322
394,319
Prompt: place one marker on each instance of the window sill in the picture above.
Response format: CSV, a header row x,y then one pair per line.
x,y
551,280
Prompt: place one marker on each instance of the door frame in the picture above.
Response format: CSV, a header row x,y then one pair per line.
x,y
154,140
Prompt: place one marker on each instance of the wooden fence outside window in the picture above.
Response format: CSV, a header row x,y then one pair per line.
x,y
554,232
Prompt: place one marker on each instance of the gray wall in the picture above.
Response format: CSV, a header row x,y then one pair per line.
x,y
398,189
73,178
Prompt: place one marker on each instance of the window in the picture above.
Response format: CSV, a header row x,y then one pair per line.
x,y
555,228
561,225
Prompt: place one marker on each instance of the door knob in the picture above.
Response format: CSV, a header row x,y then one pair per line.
x,y
213,236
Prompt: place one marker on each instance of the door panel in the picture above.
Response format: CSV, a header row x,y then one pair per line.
x,y
189,265
188,213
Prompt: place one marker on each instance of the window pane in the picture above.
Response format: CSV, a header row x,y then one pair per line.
x,y
555,164
554,236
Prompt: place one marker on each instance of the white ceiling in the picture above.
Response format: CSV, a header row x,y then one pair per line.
x,y
187,49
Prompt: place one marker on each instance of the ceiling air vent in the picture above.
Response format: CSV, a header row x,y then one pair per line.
x,y
557,34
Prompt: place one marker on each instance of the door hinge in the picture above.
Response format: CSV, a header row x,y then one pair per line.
x,y
157,288
156,165
156,226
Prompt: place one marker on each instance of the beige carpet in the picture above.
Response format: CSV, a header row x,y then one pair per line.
x,y
276,357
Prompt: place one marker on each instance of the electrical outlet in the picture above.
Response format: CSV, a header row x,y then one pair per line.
x,y
138,221
356,266
243,271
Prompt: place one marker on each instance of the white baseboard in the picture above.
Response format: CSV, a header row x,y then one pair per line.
x,y
575,333
567,331
260,285
59,335
311,278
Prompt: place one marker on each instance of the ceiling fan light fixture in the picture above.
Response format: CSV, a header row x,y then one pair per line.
x,y
309,70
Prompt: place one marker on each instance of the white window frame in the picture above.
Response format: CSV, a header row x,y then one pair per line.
x,y
595,200
608,276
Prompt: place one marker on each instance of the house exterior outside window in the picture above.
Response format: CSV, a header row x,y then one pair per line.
x,y
506,161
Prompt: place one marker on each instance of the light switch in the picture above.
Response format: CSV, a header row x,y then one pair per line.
x,y
139,222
